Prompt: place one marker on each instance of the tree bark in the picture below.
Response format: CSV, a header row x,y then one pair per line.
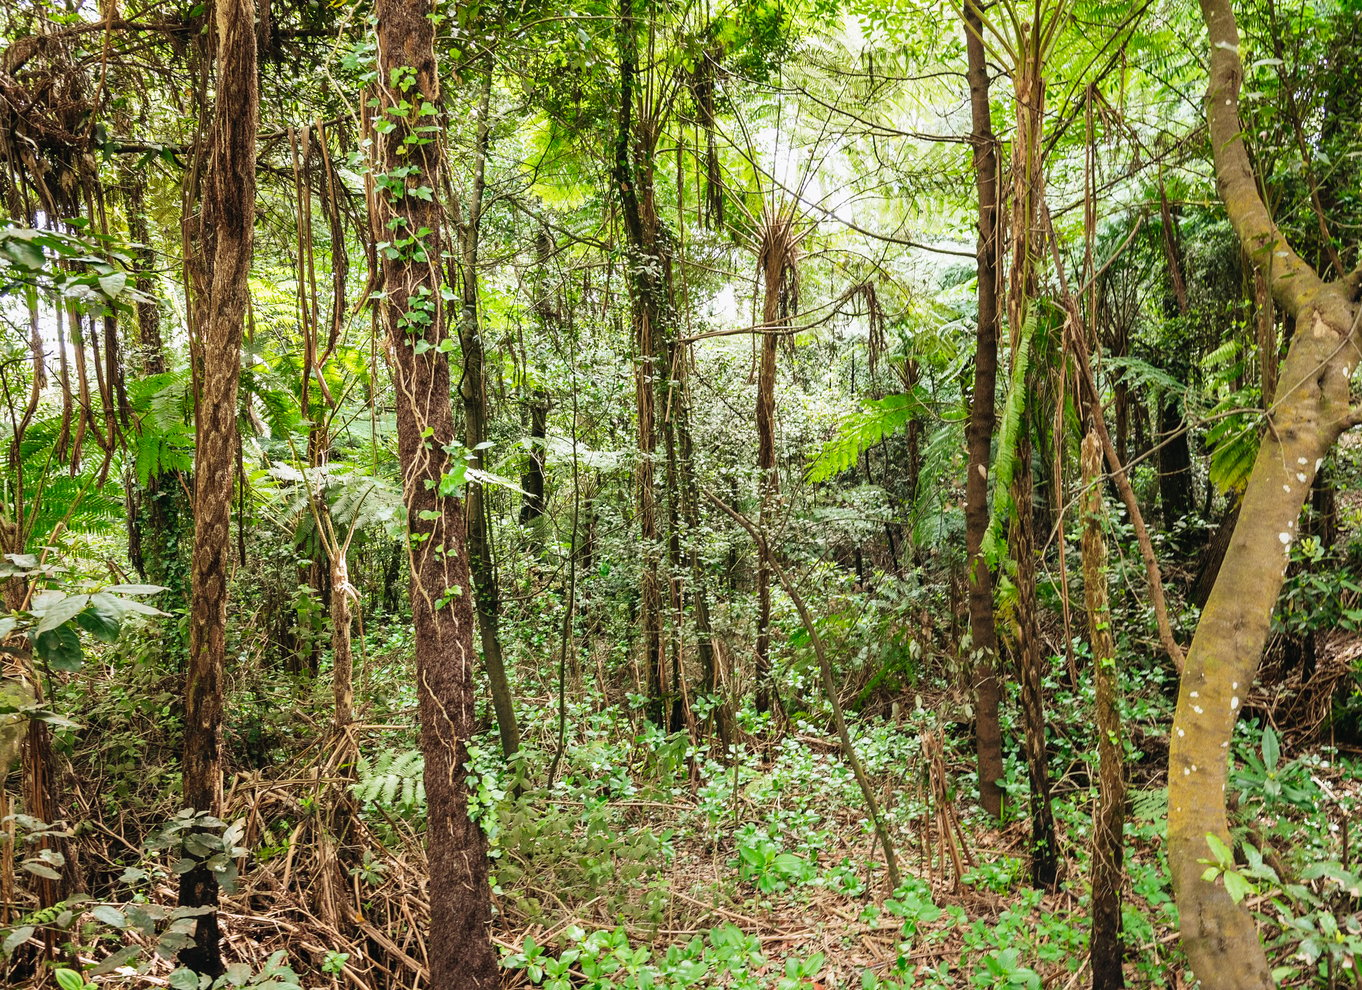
x,y
983,631
1108,841
648,267
412,314
223,243
1310,411
473,392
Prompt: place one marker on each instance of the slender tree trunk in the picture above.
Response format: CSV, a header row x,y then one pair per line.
x,y
473,391
1311,410
1108,841
218,275
766,467
648,265
532,478
983,632
412,314
1044,836
1027,238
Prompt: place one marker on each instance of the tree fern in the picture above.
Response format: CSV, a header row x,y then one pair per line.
x,y
392,779
878,419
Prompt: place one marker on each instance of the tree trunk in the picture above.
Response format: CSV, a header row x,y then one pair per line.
x,y
222,244
1310,412
412,314
648,274
1044,838
983,632
473,391
766,468
1108,841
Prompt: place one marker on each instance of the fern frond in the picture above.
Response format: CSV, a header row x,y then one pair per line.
x,y
878,419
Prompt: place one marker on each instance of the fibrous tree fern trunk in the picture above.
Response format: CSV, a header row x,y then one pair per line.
x,y
1310,410
776,261
649,275
222,244
1027,239
1108,841
412,313
983,630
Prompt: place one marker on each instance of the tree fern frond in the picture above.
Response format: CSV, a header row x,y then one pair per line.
x,y
879,419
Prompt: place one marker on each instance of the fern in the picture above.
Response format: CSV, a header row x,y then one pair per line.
x,y
878,419
933,510
393,779
1009,432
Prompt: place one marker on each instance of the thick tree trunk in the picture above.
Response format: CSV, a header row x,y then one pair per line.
x,y
983,631
1108,841
218,275
473,391
412,313
1309,413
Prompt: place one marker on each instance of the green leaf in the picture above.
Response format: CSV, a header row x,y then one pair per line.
x,y
1236,886
60,613
1223,857
109,915
184,978
134,589
60,648
102,619
16,938
113,284
1272,750
69,979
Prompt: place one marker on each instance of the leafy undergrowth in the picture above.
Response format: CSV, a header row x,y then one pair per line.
x,y
654,862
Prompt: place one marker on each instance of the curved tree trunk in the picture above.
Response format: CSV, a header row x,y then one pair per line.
x,y
222,244
983,631
412,313
1310,411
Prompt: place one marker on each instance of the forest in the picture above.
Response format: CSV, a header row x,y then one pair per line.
x,y
788,494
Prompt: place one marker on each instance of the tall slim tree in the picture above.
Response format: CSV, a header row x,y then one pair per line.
x,y
1309,412
219,243
407,222
983,631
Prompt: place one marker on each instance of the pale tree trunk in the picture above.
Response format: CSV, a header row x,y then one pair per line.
x,y
1310,411
412,313
1108,840
222,244
983,630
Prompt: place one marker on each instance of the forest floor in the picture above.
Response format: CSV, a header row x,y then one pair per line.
x,y
652,862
